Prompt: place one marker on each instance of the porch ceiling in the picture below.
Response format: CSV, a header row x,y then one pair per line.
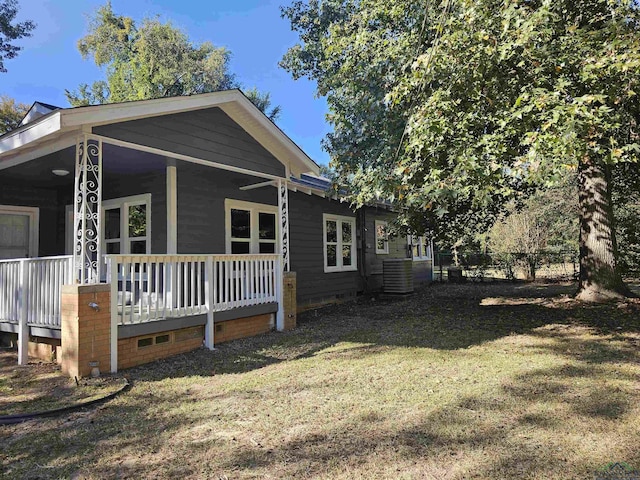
x,y
115,160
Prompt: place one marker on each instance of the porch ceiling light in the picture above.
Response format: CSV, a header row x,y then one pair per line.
x,y
60,172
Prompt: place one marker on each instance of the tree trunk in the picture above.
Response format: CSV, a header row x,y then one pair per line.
x,y
600,280
532,268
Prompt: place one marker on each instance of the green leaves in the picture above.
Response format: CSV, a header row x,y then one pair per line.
x,y
467,104
11,113
153,60
10,31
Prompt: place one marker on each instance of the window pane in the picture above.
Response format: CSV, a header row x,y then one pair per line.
x,y
138,246
240,224
380,231
267,247
346,255
267,226
380,244
346,232
239,247
332,231
332,259
137,221
113,247
112,223
14,236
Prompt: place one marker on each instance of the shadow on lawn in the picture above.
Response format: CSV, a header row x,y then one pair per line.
x,y
488,435
444,317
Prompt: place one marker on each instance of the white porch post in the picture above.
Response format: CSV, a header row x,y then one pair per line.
x,y
87,261
209,289
172,209
112,278
23,326
283,265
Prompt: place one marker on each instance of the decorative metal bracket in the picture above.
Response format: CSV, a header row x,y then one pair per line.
x,y
283,210
87,263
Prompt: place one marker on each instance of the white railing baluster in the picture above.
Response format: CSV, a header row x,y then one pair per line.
x,y
132,293
165,290
149,283
192,286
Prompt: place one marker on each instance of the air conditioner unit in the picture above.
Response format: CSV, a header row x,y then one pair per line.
x,y
397,275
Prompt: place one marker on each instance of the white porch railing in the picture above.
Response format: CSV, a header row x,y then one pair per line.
x,y
32,287
144,288
153,287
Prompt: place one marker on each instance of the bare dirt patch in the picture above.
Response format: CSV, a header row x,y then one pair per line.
x,y
40,386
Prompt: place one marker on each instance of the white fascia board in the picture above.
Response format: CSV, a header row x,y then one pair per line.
x,y
270,136
31,133
124,112
37,151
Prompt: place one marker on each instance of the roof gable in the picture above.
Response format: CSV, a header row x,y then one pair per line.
x,y
208,134
234,103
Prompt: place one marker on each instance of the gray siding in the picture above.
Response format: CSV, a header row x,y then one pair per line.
x,y
201,194
51,213
397,249
205,134
307,257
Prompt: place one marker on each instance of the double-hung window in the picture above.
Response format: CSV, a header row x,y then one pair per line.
x,y
127,225
382,237
250,227
339,243
18,232
420,247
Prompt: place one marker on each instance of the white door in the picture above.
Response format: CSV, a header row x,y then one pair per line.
x,y
18,232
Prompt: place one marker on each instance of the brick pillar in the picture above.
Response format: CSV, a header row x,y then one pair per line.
x,y
289,300
86,332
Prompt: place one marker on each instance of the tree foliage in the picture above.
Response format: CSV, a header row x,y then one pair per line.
x,y
10,31
544,224
11,113
455,108
152,60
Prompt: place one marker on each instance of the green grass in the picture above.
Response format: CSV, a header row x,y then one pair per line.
x,y
476,381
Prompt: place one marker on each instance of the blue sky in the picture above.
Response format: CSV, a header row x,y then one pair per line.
x,y
251,29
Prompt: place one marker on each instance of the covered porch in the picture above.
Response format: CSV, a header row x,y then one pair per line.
x,y
185,225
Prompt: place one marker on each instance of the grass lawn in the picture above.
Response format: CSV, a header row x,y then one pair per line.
x,y
472,381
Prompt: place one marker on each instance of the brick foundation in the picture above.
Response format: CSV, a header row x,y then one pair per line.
x,y
45,349
243,327
85,331
289,300
143,349
135,351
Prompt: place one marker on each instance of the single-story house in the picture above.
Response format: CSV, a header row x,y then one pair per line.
x,y
185,217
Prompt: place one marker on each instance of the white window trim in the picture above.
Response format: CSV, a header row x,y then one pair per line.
x,y
339,219
124,203
254,209
385,250
34,223
423,242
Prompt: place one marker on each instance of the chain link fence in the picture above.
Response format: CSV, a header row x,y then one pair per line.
x,y
479,266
